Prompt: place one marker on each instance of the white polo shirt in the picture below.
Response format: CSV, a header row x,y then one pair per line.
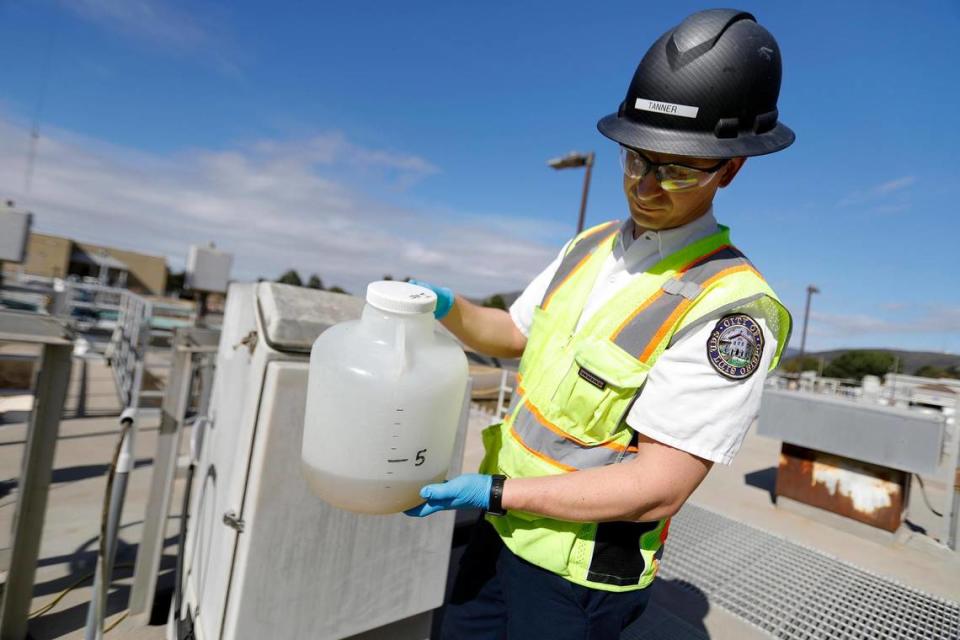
x,y
686,403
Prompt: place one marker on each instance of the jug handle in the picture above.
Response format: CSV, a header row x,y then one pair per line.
x,y
400,344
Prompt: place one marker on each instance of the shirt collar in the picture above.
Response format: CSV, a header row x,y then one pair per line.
x,y
663,242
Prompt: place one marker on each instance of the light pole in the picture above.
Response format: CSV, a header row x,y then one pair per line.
x,y
806,317
574,159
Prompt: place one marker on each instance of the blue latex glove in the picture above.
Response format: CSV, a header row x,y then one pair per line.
x,y
444,298
469,491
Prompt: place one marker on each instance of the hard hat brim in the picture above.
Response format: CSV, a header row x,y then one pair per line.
x,y
699,145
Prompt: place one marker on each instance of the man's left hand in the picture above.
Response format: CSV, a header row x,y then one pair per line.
x,y
469,491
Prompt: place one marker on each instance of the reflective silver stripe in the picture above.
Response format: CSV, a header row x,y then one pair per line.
x,y
567,452
580,250
637,334
715,315
689,290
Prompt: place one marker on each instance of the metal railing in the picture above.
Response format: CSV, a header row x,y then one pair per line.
x,y
128,348
50,393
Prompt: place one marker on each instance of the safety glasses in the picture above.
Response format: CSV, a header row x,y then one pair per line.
x,y
671,175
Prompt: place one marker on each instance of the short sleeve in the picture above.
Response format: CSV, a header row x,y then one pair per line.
x,y
689,404
521,311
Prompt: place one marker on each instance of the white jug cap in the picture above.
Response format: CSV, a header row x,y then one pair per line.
x,y
401,297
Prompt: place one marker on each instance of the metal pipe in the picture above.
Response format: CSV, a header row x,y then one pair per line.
x,y
586,190
117,488
806,317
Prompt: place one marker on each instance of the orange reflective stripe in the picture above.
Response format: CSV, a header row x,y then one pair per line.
x,y
664,328
731,270
578,266
659,292
670,321
636,312
616,446
704,258
549,460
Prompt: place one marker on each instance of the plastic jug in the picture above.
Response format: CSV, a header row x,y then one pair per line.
x,y
384,397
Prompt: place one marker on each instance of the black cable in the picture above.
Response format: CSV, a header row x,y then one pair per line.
x,y
923,492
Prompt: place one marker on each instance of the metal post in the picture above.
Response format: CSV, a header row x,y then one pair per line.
x,y
41,441
503,392
806,317
586,190
951,519
173,411
108,531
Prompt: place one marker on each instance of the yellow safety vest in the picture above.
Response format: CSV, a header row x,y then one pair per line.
x,y
575,387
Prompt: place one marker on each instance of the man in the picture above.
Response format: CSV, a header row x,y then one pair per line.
x,y
644,350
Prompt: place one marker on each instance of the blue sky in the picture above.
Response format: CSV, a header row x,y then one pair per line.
x,y
358,139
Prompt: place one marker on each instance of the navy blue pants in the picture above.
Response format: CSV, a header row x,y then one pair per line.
x,y
498,596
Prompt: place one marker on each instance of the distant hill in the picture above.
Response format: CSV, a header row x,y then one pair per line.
x,y
508,298
910,361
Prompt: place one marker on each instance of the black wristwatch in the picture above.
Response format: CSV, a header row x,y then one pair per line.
x,y
495,507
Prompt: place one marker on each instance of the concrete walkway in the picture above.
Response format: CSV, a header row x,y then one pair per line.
x,y
741,491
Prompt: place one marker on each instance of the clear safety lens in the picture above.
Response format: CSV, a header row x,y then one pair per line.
x,y
672,177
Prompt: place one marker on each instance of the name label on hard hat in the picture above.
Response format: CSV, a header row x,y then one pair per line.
x,y
666,107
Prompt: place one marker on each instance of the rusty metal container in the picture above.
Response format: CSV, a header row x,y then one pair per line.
x,y
868,493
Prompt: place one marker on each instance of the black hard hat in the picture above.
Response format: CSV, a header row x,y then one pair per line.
x,y
707,88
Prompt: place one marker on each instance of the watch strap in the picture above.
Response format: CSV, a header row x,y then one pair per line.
x,y
495,505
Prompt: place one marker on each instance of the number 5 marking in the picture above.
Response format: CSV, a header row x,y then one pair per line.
x,y
420,458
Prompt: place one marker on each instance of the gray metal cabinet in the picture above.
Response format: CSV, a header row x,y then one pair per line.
x,y
265,557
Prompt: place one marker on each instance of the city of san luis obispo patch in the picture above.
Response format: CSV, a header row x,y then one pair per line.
x,y
735,346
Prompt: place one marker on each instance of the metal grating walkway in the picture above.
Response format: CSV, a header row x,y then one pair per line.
x,y
794,592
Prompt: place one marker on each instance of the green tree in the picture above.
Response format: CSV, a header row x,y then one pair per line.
x,y
495,301
799,364
336,289
930,371
856,364
315,282
290,277
387,277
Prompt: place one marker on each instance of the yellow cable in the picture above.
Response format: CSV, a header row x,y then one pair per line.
x,y
116,622
60,596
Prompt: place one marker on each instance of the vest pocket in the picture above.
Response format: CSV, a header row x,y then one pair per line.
x,y
599,385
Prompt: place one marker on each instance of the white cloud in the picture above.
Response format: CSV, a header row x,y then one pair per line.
x,y
881,192
150,19
894,185
933,319
275,204
200,31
